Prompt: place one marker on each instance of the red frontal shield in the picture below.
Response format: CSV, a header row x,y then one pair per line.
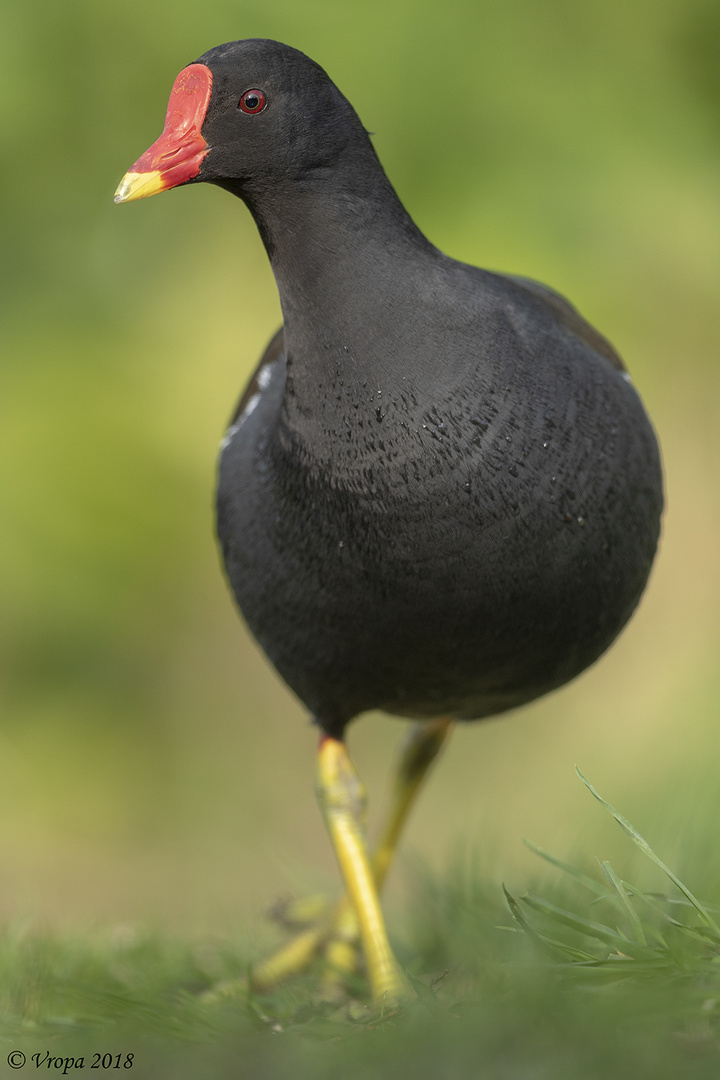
x,y
177,155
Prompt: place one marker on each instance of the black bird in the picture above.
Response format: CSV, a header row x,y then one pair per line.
x,y
440,494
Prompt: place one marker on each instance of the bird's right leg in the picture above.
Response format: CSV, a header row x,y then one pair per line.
x,y
421,746
334,929
342,800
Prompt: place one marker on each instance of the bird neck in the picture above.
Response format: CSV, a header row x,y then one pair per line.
x,y
350,264
344,252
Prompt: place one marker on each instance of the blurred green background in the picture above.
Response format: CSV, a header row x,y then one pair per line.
x,y
152,766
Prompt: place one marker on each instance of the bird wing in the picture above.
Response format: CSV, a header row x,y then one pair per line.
x,y
272,353
570,318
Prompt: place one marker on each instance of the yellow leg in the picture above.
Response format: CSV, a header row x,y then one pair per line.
x,y
290,960
313,916
342,800
336,929
422,745
341,950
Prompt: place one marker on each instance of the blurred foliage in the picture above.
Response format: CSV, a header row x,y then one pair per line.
x,y
570,996
152,767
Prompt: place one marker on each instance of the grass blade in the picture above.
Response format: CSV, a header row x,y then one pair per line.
x,y
583,879
595,930
624,900
642,843
555,949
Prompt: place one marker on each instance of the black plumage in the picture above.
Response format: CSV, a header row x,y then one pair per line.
x,y
442,493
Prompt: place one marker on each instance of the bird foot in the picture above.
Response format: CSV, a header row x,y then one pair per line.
x,y
322,929
302,913
330,932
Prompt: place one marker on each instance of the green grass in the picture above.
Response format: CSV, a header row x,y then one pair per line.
x,y
595,978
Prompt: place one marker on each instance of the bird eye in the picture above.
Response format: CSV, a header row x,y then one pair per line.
x,y
252,101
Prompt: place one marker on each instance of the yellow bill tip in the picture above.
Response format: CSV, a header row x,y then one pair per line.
x,y
140,186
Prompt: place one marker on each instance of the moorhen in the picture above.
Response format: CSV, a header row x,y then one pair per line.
x,y
440,494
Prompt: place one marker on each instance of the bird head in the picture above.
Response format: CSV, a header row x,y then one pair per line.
x,y
248,112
